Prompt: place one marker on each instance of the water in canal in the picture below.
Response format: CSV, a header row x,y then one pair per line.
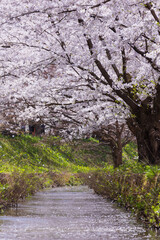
x,y
73,213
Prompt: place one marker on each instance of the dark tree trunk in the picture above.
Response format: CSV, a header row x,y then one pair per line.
x,y
146,129
117,148
117,156
112,136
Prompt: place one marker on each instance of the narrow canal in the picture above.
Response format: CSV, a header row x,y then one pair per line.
x,y
73,213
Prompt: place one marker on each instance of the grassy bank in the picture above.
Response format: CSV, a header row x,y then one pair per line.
x,y
28,164
134,186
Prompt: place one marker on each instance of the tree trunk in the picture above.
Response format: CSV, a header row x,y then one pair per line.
x,y
116,145
113,135
117,156
147,132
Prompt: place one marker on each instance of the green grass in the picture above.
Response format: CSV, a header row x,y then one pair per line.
x,y
86,153
29,163
35,154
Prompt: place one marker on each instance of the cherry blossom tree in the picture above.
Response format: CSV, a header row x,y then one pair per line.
x,y
116,135
110,49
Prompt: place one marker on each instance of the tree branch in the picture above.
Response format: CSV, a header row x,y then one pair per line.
x,y
110,58
99,4
149,7
104,73
153,64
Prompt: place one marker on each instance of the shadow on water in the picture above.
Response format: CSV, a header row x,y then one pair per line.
x,y
73,213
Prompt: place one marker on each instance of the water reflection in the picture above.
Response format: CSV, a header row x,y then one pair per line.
x,y
70,213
